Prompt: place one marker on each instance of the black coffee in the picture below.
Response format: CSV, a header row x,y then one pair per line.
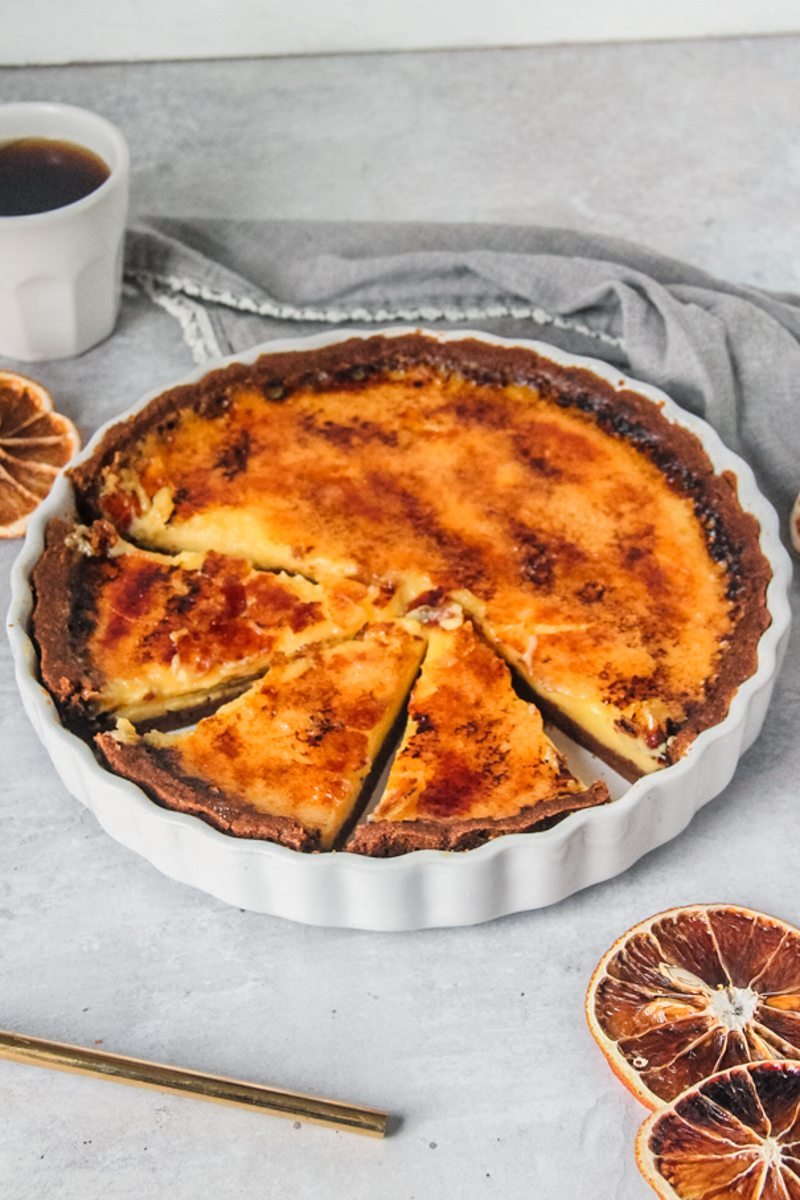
x,y
38,174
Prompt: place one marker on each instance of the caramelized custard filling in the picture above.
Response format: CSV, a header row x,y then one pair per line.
x,y
589,573
299,744
472,748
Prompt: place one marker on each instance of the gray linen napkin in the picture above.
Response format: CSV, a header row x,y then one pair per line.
x,y
728,352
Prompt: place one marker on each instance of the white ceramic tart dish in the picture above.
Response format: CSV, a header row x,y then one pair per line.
x,y
424,888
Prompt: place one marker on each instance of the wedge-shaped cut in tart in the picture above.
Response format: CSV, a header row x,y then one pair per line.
x,y
474,761
141,634
289,760
602,688
589,535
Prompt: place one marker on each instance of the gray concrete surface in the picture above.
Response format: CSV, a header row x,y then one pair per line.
x,y
690,146
474,1037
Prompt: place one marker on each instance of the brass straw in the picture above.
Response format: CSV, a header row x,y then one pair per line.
x,y
278,1103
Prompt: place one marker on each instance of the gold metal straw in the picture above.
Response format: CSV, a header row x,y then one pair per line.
x,y
276,1102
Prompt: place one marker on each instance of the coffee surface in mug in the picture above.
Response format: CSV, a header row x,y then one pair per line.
x,y
39,174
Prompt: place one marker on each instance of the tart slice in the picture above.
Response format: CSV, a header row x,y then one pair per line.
x,y
614,695
474,762
290,760
142,634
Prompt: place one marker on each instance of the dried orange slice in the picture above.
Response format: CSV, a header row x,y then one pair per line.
x,y
693,991
35,443
734,1137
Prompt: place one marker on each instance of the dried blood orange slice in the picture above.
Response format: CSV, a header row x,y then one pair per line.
x,y
693,991
35,443
734,1137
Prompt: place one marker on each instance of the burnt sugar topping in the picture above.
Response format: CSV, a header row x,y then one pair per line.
x,y
142,634
586,537
289,759
474,761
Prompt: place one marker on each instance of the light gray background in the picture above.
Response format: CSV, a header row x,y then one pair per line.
x,y
474,1037
46,31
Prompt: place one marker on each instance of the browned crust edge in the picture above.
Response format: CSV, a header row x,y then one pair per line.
x,y
65,671
158,773
388,839
732,535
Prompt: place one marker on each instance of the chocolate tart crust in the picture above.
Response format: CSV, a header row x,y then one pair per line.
x,y
158,773
388,839
65,671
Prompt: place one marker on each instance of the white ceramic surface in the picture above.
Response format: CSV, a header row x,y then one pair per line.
x,y
426,888
61,272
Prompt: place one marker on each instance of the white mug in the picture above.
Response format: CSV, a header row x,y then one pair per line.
x,y
61,270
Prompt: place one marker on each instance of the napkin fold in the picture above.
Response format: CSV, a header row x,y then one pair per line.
x,y
727,352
